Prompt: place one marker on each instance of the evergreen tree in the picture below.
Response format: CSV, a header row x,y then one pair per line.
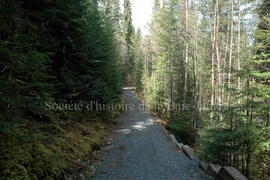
x,y
138,68
52,51
239,137
196,54
129,31
157,4
128,21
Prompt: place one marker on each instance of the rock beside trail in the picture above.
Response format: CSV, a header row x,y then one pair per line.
x,y
230,173
190,153
213,170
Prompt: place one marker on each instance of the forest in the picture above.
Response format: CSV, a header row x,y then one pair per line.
x,y
204,68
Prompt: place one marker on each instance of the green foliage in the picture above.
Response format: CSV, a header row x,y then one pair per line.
x,y
200,54
138,65
129,32
22,159
185,135
62,51
55,51
240,136
128,21
55,150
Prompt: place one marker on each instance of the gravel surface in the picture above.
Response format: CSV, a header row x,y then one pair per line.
x,y
141,150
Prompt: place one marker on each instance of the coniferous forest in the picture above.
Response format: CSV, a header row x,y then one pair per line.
x,y
203,68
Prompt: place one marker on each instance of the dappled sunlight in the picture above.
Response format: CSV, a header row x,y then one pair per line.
x,y
129,88
139,126
124,131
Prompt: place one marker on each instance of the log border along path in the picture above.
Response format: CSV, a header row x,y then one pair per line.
x,y
141,150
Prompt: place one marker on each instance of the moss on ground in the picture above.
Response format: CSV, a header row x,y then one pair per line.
x,y
54,149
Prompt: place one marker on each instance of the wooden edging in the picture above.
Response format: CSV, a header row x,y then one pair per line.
x,y
215,170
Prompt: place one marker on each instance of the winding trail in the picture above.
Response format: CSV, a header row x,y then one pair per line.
x,y
140,150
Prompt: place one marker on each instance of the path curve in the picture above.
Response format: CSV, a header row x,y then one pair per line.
x,y
140,150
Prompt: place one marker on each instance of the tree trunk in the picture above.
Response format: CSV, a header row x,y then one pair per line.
x,y
217,53
238,47
186,51
231,52
213,91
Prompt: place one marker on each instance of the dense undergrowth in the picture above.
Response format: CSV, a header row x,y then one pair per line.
x,y
58,51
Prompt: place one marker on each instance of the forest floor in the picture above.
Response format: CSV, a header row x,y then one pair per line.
x,y
140,149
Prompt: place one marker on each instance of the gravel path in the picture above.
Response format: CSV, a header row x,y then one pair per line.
x,y
140,150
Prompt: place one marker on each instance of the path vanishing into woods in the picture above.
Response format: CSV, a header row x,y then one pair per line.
x,y
141,150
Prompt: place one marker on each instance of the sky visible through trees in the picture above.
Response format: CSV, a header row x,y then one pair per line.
x,y
210,55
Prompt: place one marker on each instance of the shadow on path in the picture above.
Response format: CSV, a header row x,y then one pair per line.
x,y
140,150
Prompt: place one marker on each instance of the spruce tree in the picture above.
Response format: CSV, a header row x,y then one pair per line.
x,y
129,31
